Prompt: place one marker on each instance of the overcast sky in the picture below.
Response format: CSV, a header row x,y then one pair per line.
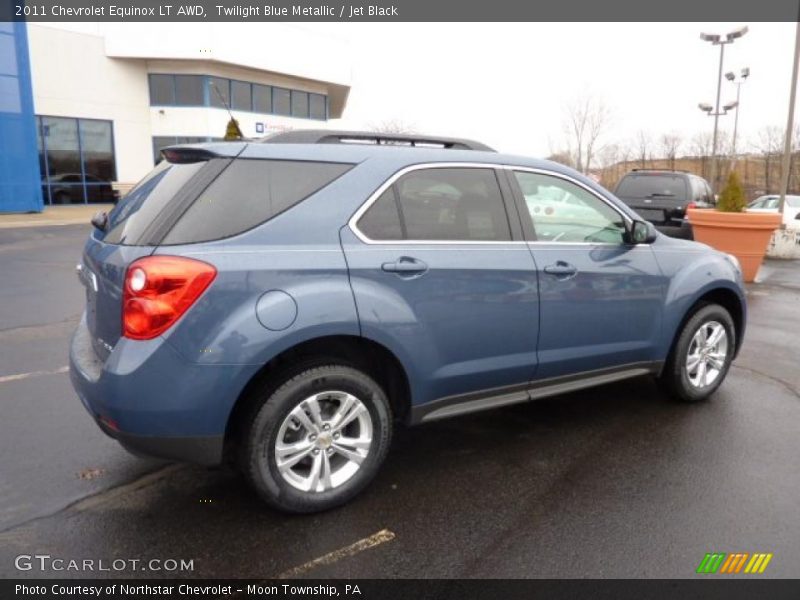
x,y
506,84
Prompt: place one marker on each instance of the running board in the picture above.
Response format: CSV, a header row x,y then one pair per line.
x,y
463,404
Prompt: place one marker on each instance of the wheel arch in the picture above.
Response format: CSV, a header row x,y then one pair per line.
x,y
726,297
359,352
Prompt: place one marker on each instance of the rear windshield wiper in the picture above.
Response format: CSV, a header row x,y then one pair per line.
x,y
660,195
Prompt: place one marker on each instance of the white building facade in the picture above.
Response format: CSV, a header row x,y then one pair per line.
x,y
108,96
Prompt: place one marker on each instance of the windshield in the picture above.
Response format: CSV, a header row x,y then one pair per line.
x,y
657,185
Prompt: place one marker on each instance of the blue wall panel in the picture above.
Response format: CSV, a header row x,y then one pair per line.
x,y
20,181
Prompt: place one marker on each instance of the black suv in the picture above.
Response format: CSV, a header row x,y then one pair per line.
x,y
662,196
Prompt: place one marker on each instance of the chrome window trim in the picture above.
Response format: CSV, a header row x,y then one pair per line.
x,y
352,223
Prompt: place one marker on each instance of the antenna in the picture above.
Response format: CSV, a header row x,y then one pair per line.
x,y
233,123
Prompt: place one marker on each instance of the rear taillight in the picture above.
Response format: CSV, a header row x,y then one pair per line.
x,y
158,290
691,205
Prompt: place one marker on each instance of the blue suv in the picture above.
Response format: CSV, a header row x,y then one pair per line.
x,y
281,304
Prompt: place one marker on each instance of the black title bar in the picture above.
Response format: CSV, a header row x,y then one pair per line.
x,y
399,10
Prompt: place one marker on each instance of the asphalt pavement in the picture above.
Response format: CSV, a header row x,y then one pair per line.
x,y
612,482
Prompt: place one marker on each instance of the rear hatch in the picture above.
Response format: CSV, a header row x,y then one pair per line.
x,y
133,230
656,197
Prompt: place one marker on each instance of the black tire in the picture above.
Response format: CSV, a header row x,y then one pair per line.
x,y
272,408
675,378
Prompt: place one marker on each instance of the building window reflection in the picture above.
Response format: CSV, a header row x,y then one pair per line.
x,y
76,159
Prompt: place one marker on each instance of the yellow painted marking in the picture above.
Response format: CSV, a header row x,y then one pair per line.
x,y
381,537
19,376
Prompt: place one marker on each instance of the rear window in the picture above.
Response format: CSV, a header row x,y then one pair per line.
x,y
654,185
248,193
133,215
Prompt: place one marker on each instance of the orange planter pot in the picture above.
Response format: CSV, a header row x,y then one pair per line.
x,y
745,235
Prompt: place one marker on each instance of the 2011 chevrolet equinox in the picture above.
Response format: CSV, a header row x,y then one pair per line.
x,y
284,302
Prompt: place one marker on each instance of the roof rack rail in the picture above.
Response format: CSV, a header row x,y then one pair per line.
x,y
327,136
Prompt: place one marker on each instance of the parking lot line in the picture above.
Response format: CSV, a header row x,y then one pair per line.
x,y
18,376
382,536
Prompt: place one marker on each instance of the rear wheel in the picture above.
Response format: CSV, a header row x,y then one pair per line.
x,y
702,355
318,439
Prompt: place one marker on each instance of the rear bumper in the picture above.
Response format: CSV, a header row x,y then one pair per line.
x,y
201,450
154,402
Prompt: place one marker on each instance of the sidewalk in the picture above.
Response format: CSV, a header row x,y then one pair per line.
x,y
78,214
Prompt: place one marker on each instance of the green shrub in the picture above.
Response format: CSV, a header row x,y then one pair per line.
x,y
732,198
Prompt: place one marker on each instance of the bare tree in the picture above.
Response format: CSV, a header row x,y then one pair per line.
x,y
643,145
700,147
392,126
768,144
670,145
585,122
563,157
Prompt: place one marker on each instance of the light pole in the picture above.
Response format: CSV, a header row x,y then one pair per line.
x,y
787,136
731,76
718,40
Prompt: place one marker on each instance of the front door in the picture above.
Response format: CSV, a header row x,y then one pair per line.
x,y
439,279
601,298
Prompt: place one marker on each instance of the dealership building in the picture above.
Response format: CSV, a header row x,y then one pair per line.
x,y
86,108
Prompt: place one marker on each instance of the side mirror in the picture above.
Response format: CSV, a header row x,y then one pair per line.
x,y
641,232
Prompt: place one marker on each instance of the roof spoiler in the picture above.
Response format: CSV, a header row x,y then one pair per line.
x,y
186,154
326,136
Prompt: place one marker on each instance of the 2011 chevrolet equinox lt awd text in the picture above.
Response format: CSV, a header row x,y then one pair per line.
x,y
281,304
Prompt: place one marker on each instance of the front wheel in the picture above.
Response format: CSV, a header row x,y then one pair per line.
x,y
702,355
318,439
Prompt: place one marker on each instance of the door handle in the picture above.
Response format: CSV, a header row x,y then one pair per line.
x,y
562,270
405,265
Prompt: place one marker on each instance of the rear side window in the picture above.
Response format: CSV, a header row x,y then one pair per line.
x,y
654,185
382,220
440,204
134,214
248,193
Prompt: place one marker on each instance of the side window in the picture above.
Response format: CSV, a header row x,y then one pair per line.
x,y
382,220
564,212
250,192
440,204
453,204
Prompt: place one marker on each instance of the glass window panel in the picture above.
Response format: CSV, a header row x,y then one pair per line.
x,y
317,106
219,92
382,220
61,139
300,104
564,212
452,204
98,150
282,101
262,98
162,90
189,90
241,98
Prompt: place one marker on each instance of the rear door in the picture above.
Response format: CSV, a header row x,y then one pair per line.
x,y
600,299
442,276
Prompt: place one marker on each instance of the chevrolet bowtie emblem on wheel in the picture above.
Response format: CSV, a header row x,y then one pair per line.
x,y
736,562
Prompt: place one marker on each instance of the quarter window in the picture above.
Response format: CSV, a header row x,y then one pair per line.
x,y
440,204
564,212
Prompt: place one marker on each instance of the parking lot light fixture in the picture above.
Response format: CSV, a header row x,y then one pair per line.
x,y
717,40
731,76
